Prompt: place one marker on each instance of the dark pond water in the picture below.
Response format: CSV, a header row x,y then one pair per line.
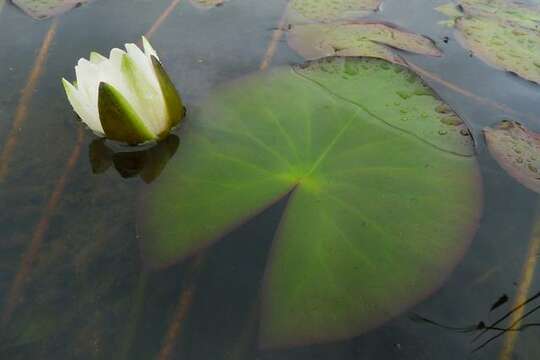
x,y
72,283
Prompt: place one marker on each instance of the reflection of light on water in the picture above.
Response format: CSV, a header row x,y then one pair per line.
x,y
148,163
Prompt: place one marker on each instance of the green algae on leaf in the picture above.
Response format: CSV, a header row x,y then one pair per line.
x,y
523,13
302,11
43,9
357,38
382,185
517,150
503,33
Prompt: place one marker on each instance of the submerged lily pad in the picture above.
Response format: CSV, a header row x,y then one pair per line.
x,y
329,10
382,185
503,33
517,150
207,4
43,9
358,38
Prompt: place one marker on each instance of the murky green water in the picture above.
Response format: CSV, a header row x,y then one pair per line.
x,y
72,282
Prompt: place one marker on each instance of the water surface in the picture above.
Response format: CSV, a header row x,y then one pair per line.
x,y
86,293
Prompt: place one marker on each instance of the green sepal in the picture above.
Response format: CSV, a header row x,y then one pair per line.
x,y
119,120
175,107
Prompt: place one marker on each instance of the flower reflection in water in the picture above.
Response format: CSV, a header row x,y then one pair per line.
x,y
146,162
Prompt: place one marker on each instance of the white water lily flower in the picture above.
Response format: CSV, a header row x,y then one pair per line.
x,y
128,97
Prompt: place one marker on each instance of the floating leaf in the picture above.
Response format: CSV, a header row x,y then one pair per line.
x,y
502,33
382,182
527,15
207,4
517,150
358,38
301,11
43,9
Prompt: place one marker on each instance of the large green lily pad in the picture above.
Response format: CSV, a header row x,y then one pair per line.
x,y
301,11
43,9
358,38
503,33
382,184
517,150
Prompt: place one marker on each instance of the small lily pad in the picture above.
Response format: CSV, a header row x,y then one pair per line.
x,y
517,150
382,184
302,11
43,9
504,34
358,38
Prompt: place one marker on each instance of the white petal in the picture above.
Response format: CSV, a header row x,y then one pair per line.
x,y
86,73
112,69
87,84
143,62
86,112
148,89
148,49
96,58
111,72
163,116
